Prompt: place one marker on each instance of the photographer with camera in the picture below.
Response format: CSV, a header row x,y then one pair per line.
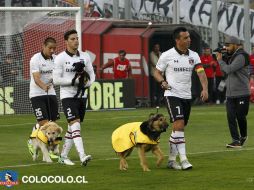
x,y
235,66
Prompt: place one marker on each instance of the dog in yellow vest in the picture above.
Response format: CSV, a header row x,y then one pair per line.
x,y
143,135
47,139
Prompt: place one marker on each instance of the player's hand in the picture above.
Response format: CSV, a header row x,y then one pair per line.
x,y
165,86
47,87
204,95
219,56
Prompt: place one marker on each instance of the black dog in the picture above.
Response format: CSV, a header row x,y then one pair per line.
x,y
83,77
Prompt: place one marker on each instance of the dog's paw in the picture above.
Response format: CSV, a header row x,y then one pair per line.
x,y
49,161
123,167
159,162
35,156
146,170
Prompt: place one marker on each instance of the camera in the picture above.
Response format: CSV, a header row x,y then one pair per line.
x,y
221,49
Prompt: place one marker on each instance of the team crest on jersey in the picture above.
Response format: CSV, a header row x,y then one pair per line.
x,y
82,61
191,61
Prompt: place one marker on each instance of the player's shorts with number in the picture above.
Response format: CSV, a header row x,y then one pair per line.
x,y
45,107
178,108
74,108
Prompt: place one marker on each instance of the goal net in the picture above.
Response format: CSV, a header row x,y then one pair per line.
x,y
22,32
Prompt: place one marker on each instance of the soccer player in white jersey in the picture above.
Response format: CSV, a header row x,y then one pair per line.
x,y
178,64
42,93
74,108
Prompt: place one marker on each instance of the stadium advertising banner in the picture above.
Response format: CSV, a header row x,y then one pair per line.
x,y
198,12
103,94
195,12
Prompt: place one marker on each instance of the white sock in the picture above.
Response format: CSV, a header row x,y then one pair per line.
x,y
173,152
68,142
177,145
35,127
76,136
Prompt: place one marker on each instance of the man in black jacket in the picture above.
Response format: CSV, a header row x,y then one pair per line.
x,y
237,90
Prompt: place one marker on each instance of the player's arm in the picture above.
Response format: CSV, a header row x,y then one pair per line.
x,y
58,73
237,63
158,72
129,71
35,70
89,69
203,80
110,63
41,84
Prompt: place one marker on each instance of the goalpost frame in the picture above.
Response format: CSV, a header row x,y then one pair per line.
x,y
72,9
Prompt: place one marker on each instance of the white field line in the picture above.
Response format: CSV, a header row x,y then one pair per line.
x,y
95,119
116,158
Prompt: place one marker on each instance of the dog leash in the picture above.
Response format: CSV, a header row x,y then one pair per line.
x,y
49,109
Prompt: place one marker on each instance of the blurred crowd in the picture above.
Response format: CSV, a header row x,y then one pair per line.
x,y
23,3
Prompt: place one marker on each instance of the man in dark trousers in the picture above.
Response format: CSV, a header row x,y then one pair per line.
x,y
235,66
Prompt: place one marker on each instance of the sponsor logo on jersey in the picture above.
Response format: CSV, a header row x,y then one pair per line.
x,y
183,69
82,61
69,70
121,67
47,72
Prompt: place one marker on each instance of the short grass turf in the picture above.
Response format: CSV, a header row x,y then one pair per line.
x,y
214,166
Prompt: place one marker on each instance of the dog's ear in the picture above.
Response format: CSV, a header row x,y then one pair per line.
x,y
59,130
45,126
144,127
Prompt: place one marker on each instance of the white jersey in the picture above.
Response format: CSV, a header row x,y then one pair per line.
x,y
178,70
39,63
63,72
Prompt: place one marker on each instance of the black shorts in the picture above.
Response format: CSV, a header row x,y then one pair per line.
x,y
74,108
45,107
178,108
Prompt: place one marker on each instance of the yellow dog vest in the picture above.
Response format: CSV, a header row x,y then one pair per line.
x,y
128,135
40,135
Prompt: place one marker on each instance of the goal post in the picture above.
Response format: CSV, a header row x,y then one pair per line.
x,y
22,32
76,10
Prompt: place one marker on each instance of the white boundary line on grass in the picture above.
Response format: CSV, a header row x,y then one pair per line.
x,y
20,124
116,158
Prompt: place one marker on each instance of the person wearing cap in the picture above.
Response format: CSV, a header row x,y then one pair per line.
x,y
237,89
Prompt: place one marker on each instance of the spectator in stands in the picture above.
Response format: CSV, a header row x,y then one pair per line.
x,y
16,3
2,3
27,3
9,70
121,66
108,13
89,10
37,3
156,92
209,65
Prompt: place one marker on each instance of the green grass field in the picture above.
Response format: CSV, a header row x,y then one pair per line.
x,y
215,167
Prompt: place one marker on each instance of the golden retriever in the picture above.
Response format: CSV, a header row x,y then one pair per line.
x,y
143,135
47,139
